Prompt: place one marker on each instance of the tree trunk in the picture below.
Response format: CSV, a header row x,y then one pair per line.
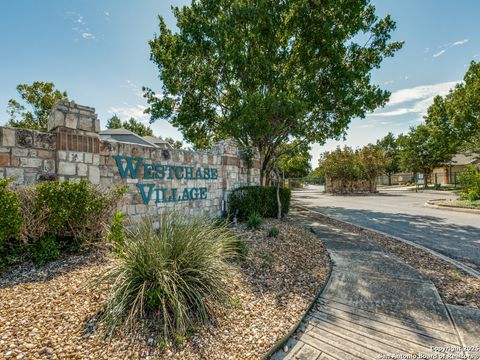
x,y
389,179
279,202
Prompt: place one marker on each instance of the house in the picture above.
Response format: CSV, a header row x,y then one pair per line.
x,y
448,173
126,136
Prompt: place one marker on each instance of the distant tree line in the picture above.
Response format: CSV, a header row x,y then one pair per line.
x,y
451,125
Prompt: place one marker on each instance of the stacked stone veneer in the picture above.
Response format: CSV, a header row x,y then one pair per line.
x,y
72,150
349,187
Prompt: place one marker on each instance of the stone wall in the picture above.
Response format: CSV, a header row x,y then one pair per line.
x,y
196,182
349,187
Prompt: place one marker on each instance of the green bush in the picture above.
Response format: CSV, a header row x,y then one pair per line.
x,y
470,182
45,250
75,210
254,220
116,235
52,217
260,199
172,277
273,232
10,219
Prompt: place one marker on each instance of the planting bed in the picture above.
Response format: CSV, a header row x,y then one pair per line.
x,y
50,312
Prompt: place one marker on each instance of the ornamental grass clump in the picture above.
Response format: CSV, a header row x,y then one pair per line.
x,y
172,278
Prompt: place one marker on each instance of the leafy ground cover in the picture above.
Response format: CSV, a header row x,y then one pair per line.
x,y
51,312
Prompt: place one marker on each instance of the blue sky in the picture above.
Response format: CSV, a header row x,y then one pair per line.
x,y
98,51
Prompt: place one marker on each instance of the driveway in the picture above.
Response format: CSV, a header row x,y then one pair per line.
x,y
402,214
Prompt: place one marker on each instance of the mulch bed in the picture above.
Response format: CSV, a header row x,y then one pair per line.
x,y
454,285
48,312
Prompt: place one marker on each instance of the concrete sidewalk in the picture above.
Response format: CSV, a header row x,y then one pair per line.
x,y
376,306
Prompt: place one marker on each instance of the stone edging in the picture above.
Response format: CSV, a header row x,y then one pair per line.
x,y
278,345
432,205
458,264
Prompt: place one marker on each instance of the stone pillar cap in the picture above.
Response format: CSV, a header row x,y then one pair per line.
x,y
70,115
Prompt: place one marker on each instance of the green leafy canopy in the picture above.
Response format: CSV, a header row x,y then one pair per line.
x,y
37,101
132,125
266,72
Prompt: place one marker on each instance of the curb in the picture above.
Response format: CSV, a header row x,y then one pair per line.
x,y
278,345
429,204
458,264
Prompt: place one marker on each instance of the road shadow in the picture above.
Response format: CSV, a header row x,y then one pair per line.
x,y
460,242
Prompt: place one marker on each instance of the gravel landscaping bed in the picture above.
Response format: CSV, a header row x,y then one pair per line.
x,y
454,285
50,312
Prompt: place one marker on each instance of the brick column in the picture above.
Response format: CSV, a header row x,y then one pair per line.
x,y
78,145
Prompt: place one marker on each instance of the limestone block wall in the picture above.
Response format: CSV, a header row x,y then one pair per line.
x,y
349,187
26,155
168,178
197,183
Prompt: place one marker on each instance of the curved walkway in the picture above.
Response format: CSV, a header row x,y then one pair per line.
x,y
376,306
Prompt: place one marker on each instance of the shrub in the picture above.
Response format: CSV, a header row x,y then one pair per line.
x,y
273,232
53,216
260,199
254,220
75,212
173,276
116,235
45,250
470,182
10,219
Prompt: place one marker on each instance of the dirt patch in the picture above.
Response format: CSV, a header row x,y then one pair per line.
x,y
46,313
454,285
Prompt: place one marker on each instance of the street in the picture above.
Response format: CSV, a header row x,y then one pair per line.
x,y
402,214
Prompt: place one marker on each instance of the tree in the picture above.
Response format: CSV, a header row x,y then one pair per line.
x,y
351,165
456,116
296,162
463,108
266,72
391,154
37,101
341,164
176,144
132,125
421,150
114,122
371,160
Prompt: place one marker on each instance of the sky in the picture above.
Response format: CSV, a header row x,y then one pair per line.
x,y
97,50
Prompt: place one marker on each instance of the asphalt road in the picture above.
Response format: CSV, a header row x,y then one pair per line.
x,y
402,214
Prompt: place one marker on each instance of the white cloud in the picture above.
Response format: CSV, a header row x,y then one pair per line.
x,y
128,111
80,26
389,82
460,42
420,92
134,87
441,52
445,47
413,100
107,13
88,36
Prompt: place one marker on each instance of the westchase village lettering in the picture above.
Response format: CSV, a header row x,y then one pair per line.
x,y
132,166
